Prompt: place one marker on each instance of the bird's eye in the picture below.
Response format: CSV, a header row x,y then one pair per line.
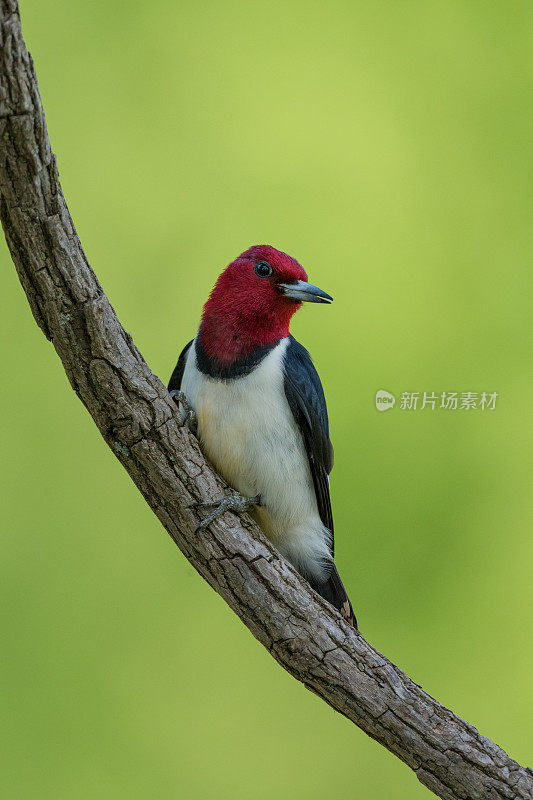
x,y
263,269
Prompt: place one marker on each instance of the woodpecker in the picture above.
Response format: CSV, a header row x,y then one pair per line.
x,y
260,413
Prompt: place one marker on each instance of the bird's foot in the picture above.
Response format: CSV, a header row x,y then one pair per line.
x,y
189,419
235,502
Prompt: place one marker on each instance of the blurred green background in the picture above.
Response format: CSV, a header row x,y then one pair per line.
x,y
387,146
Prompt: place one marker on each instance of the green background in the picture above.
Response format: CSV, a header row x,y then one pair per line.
x,y
387,146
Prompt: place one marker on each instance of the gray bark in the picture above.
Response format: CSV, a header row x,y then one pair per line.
x,y
140,423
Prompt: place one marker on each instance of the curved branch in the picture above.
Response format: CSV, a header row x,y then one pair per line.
x,y
139,421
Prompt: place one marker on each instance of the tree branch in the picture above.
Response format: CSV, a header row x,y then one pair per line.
x,y
139,421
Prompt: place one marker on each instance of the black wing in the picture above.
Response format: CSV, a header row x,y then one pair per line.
x,y
177,376
305,395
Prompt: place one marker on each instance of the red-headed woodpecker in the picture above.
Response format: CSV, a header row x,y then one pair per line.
x,y
261,414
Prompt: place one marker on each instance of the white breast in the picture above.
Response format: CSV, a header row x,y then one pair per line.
x,y
247,430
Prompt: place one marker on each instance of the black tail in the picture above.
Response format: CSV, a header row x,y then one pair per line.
x,y
334,592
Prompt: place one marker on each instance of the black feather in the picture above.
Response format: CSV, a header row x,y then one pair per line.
x,y
177,376
305,396
235,369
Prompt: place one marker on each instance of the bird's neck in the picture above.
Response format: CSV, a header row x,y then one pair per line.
x,y
227,340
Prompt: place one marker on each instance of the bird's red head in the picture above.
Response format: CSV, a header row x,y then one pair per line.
x,y
252,303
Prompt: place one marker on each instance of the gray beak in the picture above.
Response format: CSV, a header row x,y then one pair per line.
x,y
304,292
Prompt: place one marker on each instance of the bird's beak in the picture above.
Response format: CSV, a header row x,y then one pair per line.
x,y
304,292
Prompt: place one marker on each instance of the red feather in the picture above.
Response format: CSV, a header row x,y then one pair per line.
x,y
245,311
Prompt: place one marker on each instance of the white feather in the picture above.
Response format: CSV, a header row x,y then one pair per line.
x,y
247,430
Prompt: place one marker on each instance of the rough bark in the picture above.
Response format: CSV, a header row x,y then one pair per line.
x,y
139,422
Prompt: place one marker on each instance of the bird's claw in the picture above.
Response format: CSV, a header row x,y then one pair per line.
x,y
234,502
189,418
